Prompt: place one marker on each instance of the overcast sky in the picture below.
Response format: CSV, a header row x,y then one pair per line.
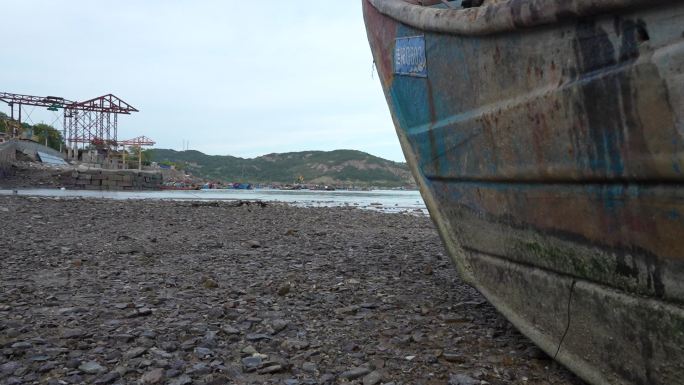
x,y
242,78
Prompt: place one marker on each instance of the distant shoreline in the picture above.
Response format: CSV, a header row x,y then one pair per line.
x,y
386,201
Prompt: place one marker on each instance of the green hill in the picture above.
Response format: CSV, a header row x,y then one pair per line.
x,y
342,167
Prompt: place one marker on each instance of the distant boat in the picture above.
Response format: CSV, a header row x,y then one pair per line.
x,y
182,188
547,138
242,186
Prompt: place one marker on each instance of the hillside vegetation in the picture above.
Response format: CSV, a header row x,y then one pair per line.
x,y
341,167
41,132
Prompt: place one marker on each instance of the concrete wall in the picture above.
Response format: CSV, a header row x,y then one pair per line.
x,y
112,180
7,157
31,149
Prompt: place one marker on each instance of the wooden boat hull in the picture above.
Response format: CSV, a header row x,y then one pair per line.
x,y
549,148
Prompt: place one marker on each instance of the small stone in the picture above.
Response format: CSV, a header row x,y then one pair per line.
x,y
294,344
182,380
134,353
271,369
143,311
279,325
71,310
417,337
372,378
73,333
108,378
21,371
9,367
73,379
149,334
47,367
169,346
284,289
254,244
462,379
453,318
249,350
355,373
378,363
154,376
210,284
257,337
216,313
203,352
21,345
309,367
470,303
199,369
73,363
454,357
161,353
230,330
123,337
536,353
251,363
291,381
347,310
91,367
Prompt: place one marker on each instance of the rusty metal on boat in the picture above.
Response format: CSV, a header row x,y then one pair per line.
x,y
547,137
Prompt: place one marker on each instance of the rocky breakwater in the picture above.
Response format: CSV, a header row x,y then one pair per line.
x,y
236,293
101,179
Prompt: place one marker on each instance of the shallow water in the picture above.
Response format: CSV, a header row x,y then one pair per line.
x,y
379,200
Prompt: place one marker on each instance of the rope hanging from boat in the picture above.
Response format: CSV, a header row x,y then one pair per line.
x,y
567,327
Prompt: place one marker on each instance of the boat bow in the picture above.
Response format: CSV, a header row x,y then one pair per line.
x,y
501,17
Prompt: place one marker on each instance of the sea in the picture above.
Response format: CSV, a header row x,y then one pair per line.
x,y
391,201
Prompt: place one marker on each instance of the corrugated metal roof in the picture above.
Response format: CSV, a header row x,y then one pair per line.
x,y
51,159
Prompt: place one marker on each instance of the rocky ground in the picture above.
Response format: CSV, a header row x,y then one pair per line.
x,y
26,174
112,292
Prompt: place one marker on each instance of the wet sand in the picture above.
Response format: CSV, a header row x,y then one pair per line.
x,y
122,292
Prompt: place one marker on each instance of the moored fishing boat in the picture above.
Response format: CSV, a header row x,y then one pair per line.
x,y
547,138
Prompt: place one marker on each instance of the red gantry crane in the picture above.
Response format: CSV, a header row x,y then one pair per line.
x,y
93,121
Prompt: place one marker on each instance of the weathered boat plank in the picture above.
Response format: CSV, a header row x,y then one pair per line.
x,y
548,141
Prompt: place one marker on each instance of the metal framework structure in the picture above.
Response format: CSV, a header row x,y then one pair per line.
x,y
93,121
139,142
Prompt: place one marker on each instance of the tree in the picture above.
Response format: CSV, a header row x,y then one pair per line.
x,y
54,137
147,157
132,157
3,122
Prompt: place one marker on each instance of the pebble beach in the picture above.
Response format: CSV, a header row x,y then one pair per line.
x,y
96,291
